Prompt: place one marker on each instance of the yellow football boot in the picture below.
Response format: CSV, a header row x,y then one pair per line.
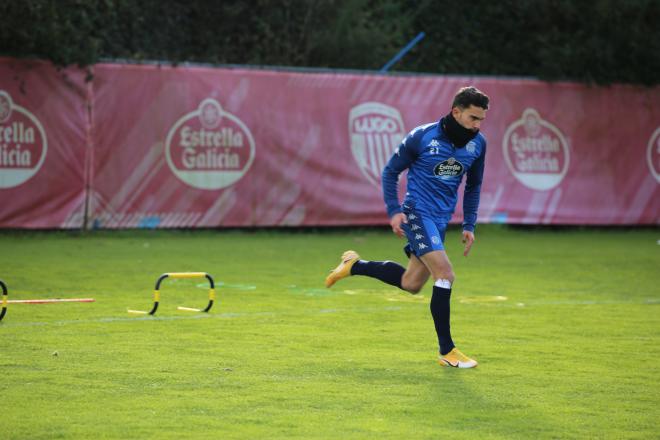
x,y
456,359
348,259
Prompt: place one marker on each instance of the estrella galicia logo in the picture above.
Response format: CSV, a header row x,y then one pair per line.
x,y
448,168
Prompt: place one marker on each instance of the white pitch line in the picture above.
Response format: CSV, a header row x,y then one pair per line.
x,y
649,301
196,316
568,302
4,324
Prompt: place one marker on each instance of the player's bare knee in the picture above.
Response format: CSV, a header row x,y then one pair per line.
x,y
414,288
448,275
412,284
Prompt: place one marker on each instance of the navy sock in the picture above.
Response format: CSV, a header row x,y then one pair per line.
x,y
440,313
387,271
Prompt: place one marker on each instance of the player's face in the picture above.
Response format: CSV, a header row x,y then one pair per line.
x,y
470,117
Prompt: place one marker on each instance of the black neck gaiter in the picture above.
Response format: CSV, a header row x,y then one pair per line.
x,y
456,133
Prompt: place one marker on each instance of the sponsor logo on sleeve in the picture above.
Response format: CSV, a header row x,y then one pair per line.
x,y
23,143
536,152
653,154
376,130
209,148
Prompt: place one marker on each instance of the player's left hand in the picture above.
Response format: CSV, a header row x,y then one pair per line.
x,y
468,239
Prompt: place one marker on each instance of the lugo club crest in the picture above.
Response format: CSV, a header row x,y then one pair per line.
x,y
209,148
536,152
23,143
376,130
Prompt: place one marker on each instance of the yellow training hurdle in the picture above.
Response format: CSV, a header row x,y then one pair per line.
x,y
180,275
4,299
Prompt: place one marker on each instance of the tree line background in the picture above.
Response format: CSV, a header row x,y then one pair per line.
x,y
592,41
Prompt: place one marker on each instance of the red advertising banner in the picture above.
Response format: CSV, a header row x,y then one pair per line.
x,y
563,153
230,147
43,145
209,147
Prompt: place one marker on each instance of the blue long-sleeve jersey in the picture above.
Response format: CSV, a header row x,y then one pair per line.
x,y
435,170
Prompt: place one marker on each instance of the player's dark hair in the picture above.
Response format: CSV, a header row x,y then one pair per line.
x,y
468,96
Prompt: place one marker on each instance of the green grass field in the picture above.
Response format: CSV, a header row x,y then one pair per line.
x,y
565,325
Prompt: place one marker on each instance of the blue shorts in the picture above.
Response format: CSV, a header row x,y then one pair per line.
x,y
423,233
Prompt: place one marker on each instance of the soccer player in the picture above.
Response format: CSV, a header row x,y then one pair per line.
x,y
437,156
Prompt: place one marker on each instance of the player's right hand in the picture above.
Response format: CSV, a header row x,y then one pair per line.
x,y
396,221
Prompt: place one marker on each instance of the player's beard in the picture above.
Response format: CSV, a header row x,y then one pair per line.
x,y
456,133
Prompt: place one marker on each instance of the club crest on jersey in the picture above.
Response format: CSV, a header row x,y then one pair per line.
x,y
471,147
448,168
375,130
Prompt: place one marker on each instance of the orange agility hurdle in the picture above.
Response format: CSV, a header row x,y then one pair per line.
x,y
179,275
